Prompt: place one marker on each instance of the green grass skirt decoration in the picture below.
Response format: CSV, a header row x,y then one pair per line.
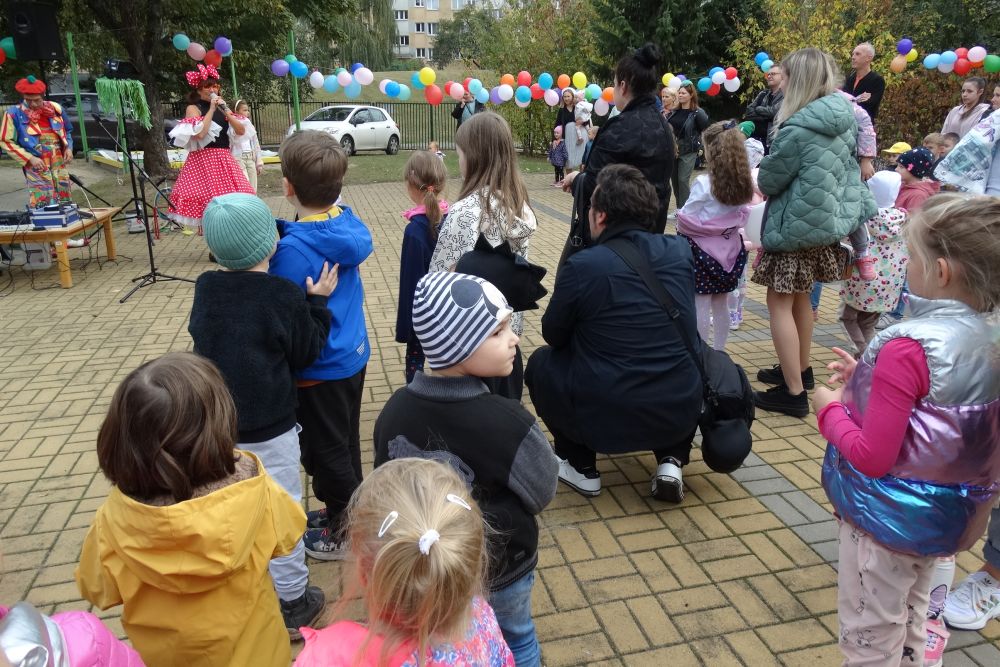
x,y
113,93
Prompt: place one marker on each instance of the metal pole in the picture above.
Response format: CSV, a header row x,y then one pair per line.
x,y
232,73
294,84
76,91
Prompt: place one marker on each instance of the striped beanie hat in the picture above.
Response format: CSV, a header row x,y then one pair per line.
x,y
453,313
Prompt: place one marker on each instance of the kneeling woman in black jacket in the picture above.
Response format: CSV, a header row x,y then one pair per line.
x,y
638,136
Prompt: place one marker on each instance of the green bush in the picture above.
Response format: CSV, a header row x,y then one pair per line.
x,y
916,104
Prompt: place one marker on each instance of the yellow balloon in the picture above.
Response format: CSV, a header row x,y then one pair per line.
x,y
666,78
912,55
580,80
427,76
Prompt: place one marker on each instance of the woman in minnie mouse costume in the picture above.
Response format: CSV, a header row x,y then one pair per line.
x,y
210,169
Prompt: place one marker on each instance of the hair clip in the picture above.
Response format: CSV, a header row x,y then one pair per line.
x,y
461,502
427,540
729,125
390,519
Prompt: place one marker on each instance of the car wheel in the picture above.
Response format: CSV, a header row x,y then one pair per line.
x,y
347,144
393,146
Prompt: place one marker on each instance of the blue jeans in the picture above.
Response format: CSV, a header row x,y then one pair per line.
x,y
897,312
512,606
815,294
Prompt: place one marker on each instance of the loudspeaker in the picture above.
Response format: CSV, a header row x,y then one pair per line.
x,y
120,69
35,31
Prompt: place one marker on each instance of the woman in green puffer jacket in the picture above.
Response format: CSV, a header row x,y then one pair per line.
x,y
815,198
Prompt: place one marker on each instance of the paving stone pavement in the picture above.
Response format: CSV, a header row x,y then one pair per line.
x,y
741,573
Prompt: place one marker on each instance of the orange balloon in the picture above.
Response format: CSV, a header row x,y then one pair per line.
x,y
608,94
563,81
508,79
898,64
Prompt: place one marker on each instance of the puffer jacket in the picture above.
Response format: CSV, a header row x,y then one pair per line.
x,y
813,183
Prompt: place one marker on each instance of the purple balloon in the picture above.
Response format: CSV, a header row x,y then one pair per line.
x,y
495,95
223,45
682,77
279,67
904,46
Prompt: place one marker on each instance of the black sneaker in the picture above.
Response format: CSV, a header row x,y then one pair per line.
x,y
322,544
773,376
303,611
317,519
777,399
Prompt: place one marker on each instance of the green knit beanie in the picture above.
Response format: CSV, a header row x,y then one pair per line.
x,y
239,230
747,127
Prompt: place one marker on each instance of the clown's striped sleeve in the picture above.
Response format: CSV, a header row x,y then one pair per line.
x,y
8,141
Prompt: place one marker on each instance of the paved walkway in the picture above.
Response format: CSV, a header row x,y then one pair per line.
x,y
741,573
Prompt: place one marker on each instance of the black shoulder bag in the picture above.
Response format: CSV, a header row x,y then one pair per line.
x,y
728,408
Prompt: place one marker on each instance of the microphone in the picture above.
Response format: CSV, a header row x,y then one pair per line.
x,y
222,105
96,116
76,180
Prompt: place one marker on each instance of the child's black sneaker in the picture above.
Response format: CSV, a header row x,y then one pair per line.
x,y
777,399
303,611
317,519
322,544
773,376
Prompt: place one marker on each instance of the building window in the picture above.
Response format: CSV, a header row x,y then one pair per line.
x,y
421,53
433,4
457,4
403,40
402,15
418,3
418,27
432,28
430,54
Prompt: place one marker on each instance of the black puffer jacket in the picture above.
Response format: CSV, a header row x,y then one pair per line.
x,y
638,136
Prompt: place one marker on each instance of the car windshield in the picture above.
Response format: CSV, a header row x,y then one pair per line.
x,y
335,114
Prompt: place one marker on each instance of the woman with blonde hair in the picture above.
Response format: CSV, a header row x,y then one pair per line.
x,y
815,198
418,551
493,203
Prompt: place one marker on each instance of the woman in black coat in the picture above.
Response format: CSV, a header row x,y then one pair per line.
x,y
638,136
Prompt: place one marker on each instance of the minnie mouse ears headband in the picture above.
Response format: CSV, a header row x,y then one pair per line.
x,y
201,75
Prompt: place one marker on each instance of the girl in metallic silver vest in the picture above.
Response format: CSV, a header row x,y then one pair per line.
x,y
913,464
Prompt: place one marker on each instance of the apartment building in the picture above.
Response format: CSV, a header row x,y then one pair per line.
x,y
418,21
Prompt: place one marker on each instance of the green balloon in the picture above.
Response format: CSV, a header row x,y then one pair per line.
x,y
992,63
7,44
290,59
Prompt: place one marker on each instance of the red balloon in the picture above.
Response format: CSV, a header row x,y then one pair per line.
x,y
536,92
962,52
731,73
962,67
714,90
465,84
433,94
213,58
447,86
3,56
523,78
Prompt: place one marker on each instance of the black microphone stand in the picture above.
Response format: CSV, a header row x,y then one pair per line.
x,y
76,181
139,198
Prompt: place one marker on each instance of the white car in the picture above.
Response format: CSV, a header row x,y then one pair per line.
x,y
356,127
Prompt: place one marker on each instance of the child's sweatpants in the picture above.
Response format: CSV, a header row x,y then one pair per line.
x,y
882,598
859,325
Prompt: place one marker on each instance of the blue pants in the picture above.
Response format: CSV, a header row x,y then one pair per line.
x,y
512,606
815,294
897,312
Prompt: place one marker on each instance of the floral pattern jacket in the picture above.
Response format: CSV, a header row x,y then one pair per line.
x,y
889,250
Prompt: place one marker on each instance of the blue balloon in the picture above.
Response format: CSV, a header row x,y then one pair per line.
x,y
415,81
330,84
404,92
931,60
299,69
715,69
522,94
181,41
392,89
352,90
766,65
475,85
355,67
761,57
545,80
483,96
704,83
949,57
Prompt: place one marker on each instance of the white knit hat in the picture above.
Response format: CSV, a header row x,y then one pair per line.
x,y
453,313
885,188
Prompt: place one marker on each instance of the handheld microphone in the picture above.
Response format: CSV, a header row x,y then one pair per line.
x,y
76,180
222,105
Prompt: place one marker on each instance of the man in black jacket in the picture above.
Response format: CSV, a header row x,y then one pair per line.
x,y
466,108
764,107
616,376
865,85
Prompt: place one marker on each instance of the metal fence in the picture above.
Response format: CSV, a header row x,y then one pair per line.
x,y
418,122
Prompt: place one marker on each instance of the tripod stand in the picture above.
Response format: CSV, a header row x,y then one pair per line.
x,y
139,199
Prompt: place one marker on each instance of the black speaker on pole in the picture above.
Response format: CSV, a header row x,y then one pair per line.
x,y
35,30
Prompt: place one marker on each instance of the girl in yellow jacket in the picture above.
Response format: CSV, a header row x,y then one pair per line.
x,y
186,534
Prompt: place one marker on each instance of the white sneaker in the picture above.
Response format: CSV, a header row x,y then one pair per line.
x,y
667,484
672,216
973,603
585,483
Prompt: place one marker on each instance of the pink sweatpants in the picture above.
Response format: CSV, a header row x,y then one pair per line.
x,y
882,598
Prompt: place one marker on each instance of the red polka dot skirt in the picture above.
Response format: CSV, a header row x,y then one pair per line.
x,y
207,173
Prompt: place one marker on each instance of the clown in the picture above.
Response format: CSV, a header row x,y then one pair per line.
x,y
37,135
210,169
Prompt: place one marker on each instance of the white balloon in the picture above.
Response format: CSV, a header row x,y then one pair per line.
x,y
675,84
552,97
364,76
521,104
344,79
505,92
719,78
456,91
977,54
381,85
946,67
601,107
732,85
316,79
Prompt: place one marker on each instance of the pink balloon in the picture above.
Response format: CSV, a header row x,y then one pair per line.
x,y
196,51
456,91
552,97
